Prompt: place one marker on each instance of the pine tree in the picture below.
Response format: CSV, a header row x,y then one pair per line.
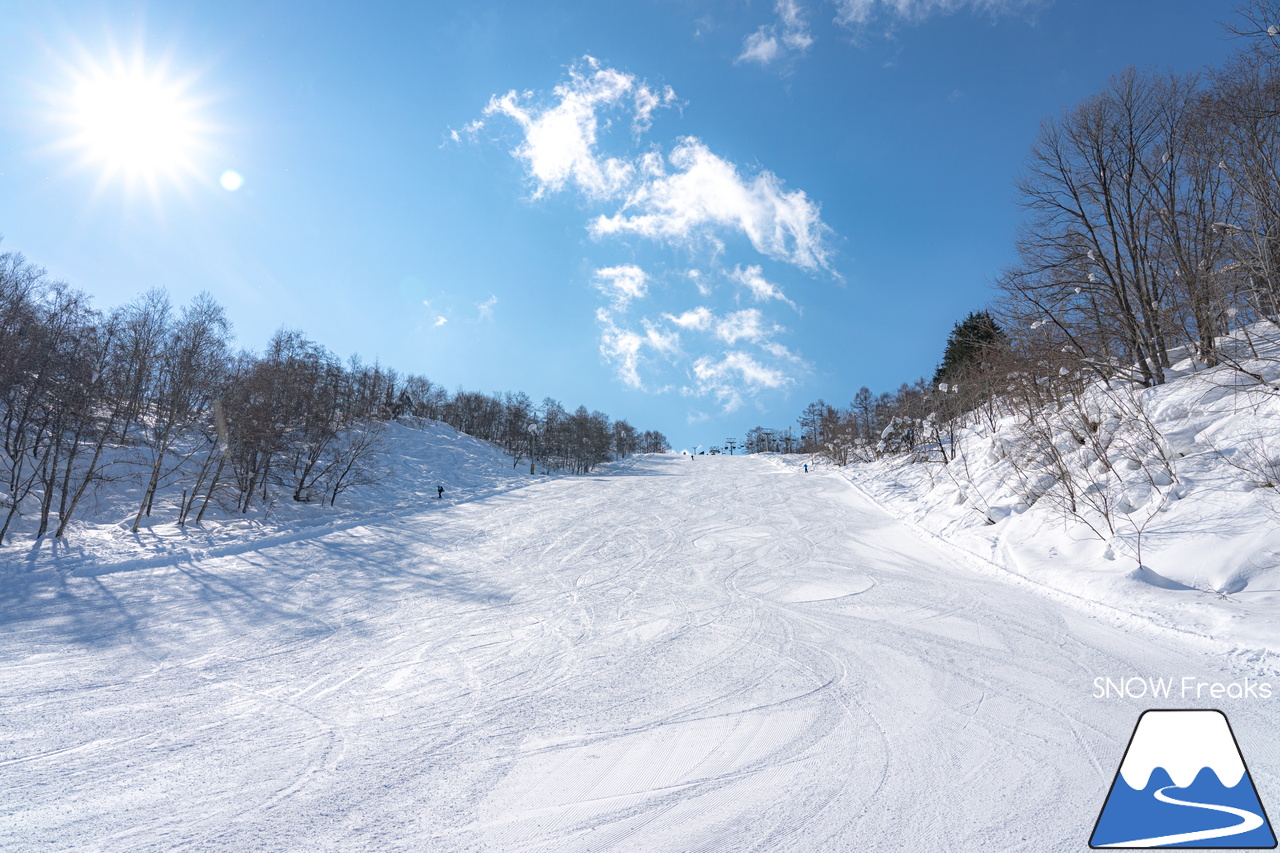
x,y
970,340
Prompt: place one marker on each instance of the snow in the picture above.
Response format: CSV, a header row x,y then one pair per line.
x,y
420,455
662,656
1201,500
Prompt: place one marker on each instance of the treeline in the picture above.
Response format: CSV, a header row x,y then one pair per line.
x,y
149,399
570,441
1151,230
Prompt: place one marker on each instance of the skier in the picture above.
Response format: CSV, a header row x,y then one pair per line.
x,y
806,467
439,492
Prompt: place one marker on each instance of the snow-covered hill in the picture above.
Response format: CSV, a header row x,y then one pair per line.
x,y
678,655
420,456
670,654
1191,478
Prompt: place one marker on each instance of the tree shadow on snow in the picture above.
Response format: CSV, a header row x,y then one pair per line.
x,y
295,589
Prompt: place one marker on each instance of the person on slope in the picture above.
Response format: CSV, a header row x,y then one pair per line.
x,y
439,492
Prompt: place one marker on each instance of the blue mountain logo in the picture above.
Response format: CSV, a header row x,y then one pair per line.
x,y
1183,783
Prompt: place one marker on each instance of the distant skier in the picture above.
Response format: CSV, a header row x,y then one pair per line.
x,y
439,492
806,467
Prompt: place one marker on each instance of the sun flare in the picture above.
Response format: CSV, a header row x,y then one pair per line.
x,y
134,123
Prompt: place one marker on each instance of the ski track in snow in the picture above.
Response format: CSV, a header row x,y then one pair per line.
x,y
710,655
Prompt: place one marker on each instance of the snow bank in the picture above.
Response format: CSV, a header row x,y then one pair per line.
x,y
1192,542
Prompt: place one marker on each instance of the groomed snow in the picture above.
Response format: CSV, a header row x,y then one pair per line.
x,y
718,653
1207,504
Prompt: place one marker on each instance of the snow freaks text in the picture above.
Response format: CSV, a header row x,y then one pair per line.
x,y
1186,687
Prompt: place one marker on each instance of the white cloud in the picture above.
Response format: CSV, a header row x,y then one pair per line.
x,y
707,192
703,194
789,34
761,46
625,348
749,325
771,42
699,282
799,41
440,321
486,307
729,378
858,13
697,319
560,141
622,283
646,101
795,30
685,196
762,290
781,353
751,363
667,343
622,348
745,325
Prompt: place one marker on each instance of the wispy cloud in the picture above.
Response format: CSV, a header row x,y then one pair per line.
x,y
622,284
561,140
697,319
795,30
730,378
790,33
688,197
703,193
706,193
760,47
486,308
859,13
744,362
665,342
699,281
622,348
745,325
761,289
440,321
626,348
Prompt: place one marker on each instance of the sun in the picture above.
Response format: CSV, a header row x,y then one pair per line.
x,y
133,122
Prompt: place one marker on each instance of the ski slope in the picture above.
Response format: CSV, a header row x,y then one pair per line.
x,y
676,655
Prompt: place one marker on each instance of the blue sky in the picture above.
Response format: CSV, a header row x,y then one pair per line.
x,y
699,216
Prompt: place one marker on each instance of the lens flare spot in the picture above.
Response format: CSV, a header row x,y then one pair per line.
x,y
231,181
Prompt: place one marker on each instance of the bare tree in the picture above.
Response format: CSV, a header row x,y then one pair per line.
x,y
191,355
1258,22
1119,202
1245,137
47,367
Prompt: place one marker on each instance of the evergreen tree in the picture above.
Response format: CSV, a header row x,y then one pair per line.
x,y
969,342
